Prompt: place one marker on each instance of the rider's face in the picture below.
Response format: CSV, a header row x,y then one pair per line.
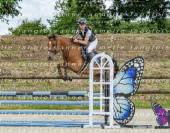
x,y
82,26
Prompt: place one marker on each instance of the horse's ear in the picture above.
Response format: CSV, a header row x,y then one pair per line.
x,y
52,36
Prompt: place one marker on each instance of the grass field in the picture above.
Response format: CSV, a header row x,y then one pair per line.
x,y
27,56
140,100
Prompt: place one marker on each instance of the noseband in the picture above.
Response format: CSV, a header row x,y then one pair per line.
x,y
52,49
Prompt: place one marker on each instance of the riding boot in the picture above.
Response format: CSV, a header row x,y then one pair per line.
x,y
90,56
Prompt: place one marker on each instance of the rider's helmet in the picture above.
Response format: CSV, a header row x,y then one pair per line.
x,y
82,21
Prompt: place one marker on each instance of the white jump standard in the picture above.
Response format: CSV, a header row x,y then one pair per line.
x,y
104,64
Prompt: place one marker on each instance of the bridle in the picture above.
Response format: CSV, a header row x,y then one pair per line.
x,y
52,49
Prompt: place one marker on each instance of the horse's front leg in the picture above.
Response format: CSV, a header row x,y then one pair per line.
x,y
66,77
59,66
65,67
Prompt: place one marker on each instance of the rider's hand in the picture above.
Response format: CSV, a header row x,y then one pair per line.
x,y
76,40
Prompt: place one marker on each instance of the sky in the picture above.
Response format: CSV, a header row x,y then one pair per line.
x,y
31,10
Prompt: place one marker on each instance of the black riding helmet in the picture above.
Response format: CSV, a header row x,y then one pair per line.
x,y
82,21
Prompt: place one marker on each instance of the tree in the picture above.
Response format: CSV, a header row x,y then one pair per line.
x,y
155,10
64,21
132,9
96,13
30,28
70,10
9,8
158,11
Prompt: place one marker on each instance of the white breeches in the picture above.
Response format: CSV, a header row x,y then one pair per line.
x,y
92,46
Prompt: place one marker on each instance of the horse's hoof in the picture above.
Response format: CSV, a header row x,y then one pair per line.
x,y
70,79
67,79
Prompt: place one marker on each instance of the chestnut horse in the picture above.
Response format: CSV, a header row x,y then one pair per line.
x,y
71,53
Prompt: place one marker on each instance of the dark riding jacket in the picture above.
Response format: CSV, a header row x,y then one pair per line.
x,y
90,33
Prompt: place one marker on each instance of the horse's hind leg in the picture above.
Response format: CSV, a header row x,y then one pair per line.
x,y
59,70
116,67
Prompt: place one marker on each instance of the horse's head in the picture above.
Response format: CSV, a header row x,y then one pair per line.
x,y
52,47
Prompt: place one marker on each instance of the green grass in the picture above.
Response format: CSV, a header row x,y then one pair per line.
x,y
147,105
42,107
81,85
138,105
140,101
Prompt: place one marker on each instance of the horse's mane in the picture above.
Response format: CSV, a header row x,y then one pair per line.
x,y
64,39
69,39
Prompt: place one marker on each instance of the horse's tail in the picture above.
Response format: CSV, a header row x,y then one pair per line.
x,y
116,67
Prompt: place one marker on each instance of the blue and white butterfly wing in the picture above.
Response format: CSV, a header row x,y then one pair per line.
x,y
124,110
127,80
125,84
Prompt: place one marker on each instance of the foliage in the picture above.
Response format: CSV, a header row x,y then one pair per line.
x,y
123,16
9,8
118,18
154,10
65,22
30,28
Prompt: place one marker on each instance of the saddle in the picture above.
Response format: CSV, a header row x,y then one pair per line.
x,y
87,57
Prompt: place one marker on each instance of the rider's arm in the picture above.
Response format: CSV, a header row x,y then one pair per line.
x,y
76,36
86,40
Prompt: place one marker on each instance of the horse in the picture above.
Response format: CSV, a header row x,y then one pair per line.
x,y
71,53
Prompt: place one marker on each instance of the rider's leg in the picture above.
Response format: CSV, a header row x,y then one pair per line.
x,y
92,46
90,49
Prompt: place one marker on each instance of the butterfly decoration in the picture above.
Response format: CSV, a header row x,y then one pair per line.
x,y
126,84
161,114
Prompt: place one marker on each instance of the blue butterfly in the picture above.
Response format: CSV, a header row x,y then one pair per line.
x,y
126,83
